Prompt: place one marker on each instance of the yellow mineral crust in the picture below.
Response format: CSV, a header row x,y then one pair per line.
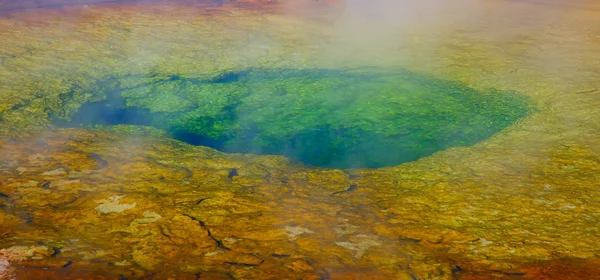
x,y
100,204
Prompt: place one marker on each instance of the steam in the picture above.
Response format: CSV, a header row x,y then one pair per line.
x,y
361,31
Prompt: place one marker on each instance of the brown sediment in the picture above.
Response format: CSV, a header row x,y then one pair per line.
x,y
100,204
568,269
564,269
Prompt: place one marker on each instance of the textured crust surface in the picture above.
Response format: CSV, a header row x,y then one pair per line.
x,y
522,204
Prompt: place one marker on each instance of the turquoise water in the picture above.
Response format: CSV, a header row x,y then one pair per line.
x,y
329,118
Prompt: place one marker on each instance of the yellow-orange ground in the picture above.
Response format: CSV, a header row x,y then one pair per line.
x,y
524,204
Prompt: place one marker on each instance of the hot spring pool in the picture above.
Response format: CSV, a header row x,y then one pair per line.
x,y
328,118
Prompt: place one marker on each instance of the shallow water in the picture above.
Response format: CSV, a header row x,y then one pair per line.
x,y
421,140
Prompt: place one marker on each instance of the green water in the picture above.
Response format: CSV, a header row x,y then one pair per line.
x,y
328,118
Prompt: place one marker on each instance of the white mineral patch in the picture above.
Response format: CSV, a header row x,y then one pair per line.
x,y
214,253
112,205
55,172
231,240
484,242
149,217
294,232
363,243
122,263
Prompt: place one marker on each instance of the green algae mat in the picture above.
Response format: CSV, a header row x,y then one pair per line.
x,y
330,118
